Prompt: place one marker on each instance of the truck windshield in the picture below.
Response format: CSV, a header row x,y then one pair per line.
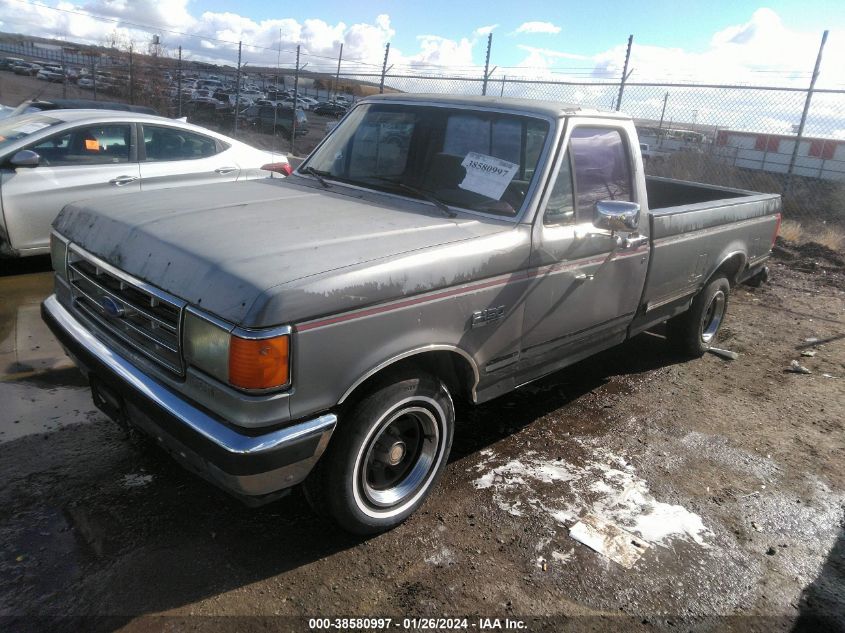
x,y
473,159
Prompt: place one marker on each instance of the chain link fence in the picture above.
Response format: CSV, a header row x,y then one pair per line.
x,y
732,136
727,135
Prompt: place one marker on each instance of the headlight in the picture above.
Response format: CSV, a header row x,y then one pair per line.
x,y
250,360
58,253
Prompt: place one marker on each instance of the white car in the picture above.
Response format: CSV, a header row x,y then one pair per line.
x,y
49,159
307,103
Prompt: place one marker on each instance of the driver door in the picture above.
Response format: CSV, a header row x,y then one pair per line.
x,y
83,162
586,288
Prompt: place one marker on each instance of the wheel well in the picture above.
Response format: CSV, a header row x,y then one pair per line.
x,y
452,368
730,268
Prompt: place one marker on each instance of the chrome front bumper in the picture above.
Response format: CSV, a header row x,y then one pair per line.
x,y
253,467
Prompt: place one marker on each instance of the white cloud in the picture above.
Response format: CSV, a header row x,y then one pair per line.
x,y
760,51
482,31
537,27
211,36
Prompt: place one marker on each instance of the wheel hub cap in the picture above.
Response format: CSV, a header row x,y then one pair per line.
x,y
396,453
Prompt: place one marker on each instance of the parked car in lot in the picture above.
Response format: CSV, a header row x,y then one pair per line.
x,y
52,158
328,108
53,74
26,68
431,248
41,105
269,119
8,63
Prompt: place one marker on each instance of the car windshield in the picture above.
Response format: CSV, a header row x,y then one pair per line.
x,y
474,159
16,128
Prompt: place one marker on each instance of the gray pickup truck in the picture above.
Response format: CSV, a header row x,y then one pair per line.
x,y
317,329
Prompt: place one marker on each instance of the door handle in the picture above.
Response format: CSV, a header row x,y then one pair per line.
x,y
122,180
225,170
584,277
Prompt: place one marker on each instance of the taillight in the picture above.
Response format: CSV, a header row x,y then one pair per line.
x,y
777,229
279,168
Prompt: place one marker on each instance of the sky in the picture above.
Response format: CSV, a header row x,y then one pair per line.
x,y
746,42
710,41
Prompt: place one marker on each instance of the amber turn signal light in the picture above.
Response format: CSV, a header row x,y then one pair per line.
x,y
259,363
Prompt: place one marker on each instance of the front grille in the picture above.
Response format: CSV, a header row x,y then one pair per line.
x,y
143,318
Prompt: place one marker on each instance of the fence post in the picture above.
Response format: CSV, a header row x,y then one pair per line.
x,y
131,78
179,84
624,73
295,104
384,68
337,76
660,127
800,133
64,74
487,63
94,75
238,88
502,91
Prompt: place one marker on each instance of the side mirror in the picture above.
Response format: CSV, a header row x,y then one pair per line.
x,y
617,215
25,158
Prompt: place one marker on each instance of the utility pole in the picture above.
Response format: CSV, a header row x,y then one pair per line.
x,y
487,63
238,88
800,133
131,78
179,84
295,104
384,68
337,76
624,73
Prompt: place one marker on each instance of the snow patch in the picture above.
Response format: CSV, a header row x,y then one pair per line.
x,y
603,485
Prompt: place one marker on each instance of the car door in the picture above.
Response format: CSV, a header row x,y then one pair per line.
x,y
175,157
587,287
83,162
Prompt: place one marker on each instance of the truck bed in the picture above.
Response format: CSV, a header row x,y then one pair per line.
x,y
694,230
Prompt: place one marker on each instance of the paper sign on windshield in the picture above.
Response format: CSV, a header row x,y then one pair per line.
x,y
487,175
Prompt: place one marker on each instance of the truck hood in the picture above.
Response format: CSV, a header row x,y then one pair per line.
x,y
234,249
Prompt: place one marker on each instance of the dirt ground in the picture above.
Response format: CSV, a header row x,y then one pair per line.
x,y
731,472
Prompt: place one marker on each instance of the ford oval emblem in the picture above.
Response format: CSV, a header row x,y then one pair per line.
x,y
112,308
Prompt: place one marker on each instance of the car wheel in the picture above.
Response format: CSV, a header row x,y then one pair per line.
x,y
386,456
694,331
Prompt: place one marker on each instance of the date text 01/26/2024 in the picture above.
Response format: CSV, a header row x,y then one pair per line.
x,y
415,624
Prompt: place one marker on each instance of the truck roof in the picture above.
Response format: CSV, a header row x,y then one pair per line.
x,y
537,106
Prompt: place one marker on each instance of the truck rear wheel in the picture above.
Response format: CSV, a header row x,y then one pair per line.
x,y
692,332
386,456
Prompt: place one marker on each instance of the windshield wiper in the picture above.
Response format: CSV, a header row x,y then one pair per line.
x,y
318,175
421,193
430,197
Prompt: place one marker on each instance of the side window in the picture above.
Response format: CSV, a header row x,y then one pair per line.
x,y
90,145
170,143
560,208
602,168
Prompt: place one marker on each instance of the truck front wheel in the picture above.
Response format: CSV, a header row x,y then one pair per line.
x,y
692,332
386,456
